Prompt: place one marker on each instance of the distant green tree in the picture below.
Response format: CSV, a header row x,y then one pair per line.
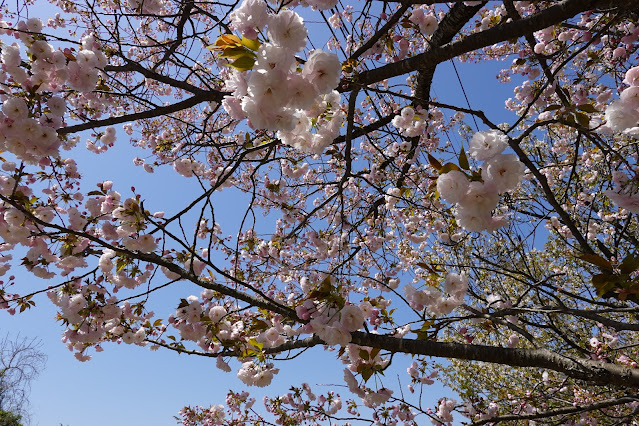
x,y
8,418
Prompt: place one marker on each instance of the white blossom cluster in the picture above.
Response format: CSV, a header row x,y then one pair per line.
x,y
252,374
623,115
474,200
275,95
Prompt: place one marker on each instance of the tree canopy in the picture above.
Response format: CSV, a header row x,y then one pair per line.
x,y
377,223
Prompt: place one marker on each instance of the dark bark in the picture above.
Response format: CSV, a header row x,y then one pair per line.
x,y
550,16
151,113
577,368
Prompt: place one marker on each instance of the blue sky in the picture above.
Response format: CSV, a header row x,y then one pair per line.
x,y
129,385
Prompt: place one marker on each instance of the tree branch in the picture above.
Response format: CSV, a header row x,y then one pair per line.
x,y
560,411
205,96
565,9
577,368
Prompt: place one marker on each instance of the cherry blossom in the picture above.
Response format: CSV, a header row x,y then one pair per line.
x,y
374,217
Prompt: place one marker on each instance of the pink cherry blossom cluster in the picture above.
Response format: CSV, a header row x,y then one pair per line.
x,y
95,318
331,325
238,406
370,397
275,95
427,22
474,200
104,142
213,415
432,299
417,375
252,16
18,227
410,122
444,412
302,406
380,212
29,130
253,374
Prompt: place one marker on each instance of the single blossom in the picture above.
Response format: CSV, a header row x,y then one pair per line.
x,y
452,186
487,144
250,17
323,70
505,171
621,116
287,29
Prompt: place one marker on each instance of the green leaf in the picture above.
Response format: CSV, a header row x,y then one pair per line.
x,y
429,268
259,325
582,119
256,344
597,260
553,107
349,66
374,352
587,108
604,283
243,63
225,41
629,264
234,53
365,371
363,354
273,187
433,162
247,353
120,264
448,167
103,87
251,44
323,290
463,160
422,333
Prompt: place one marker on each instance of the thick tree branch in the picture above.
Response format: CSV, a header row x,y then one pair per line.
x,y
553,15
582,369
209,96
453,22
